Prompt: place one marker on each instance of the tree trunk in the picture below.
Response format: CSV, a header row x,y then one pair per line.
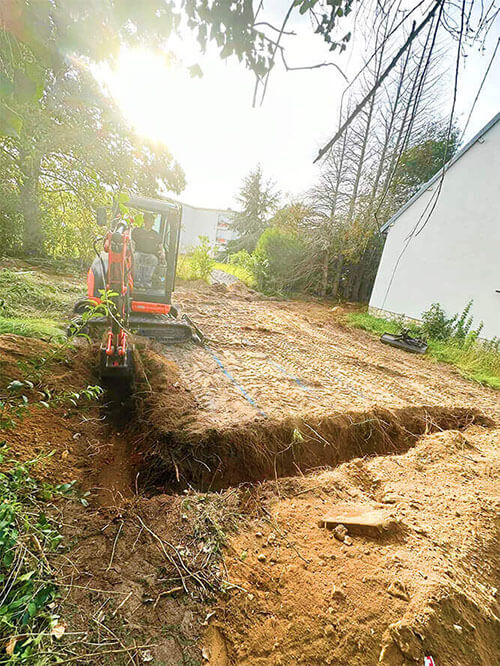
x,y
30,207
324,275
355,289
337,276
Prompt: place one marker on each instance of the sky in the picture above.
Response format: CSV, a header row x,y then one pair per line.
x,y
216,135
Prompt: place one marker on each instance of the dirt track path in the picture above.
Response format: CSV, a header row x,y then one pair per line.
x,y
294,358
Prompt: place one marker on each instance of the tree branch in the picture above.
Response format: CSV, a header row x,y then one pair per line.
x,y
283,32
411,37
321,64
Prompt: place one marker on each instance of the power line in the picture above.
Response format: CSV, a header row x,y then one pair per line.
x,y
435,196
480,88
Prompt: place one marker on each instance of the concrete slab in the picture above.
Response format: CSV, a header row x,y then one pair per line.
x,y
359,519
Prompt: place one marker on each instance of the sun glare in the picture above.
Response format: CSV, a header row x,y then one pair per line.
x,y
154,96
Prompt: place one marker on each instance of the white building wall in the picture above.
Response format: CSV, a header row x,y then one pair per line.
x,y
196,222
457,255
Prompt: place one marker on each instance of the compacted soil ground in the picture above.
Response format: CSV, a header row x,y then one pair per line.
x,y
205,537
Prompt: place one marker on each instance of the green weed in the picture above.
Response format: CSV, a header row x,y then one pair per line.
x,y
29,593
476,360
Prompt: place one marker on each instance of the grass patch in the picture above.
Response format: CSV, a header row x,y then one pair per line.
x,y
238,271
479,361
33,293
372,324
37,304
187,270
32,327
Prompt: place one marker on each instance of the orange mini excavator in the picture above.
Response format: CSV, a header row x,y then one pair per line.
x,y
133,306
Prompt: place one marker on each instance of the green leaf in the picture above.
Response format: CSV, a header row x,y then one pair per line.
x,y
15,385
195,71
32,609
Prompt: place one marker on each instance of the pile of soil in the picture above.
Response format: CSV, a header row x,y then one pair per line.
x,y
56,430
429,587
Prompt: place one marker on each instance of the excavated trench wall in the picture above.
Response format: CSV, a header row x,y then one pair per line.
x,y
181,444
213,459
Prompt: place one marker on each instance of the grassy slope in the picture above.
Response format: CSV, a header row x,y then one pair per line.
x,y
475,361
35,302
238,271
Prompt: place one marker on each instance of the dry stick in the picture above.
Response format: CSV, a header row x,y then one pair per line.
x,y
164,594
275,526
125,649
175,467
101,624
411,37
121,603
137,539
114,546
79,587
167,556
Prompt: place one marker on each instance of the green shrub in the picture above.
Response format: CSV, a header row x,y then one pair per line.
x,y
437,326
277,260
244,259
202,261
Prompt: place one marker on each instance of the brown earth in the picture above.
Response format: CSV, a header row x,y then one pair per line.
x,y
285,387
150,577
427,588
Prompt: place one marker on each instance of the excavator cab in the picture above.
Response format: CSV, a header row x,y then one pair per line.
x,y
167,218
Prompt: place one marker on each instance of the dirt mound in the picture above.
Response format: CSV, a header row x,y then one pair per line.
x,y
55,431
304,597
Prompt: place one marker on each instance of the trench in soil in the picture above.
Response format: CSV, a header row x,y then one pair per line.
x,y
147,458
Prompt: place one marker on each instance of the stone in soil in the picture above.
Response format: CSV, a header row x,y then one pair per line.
x,y
359,519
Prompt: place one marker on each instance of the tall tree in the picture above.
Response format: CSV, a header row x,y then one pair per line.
x,y
365,175
57,130
74,143
421,160
258,199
